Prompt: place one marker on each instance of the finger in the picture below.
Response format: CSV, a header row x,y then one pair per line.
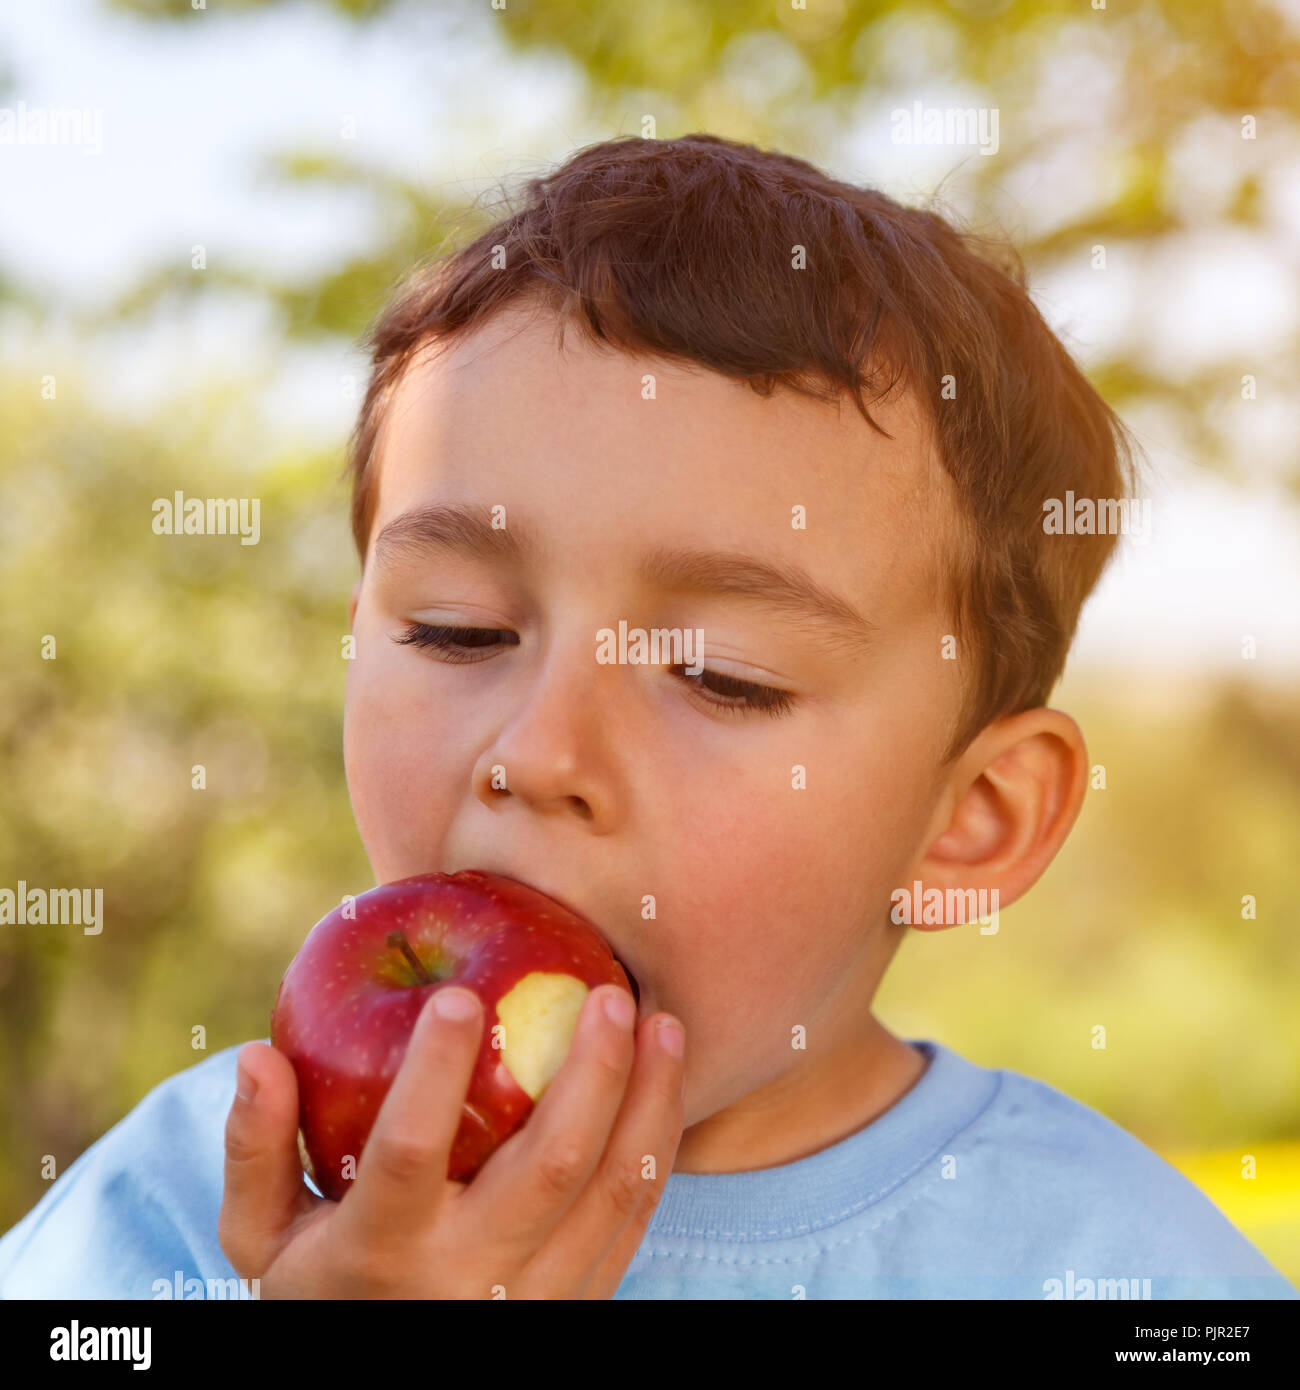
x,y
528,1184
264,1190
613,1265
402,1173
595,1243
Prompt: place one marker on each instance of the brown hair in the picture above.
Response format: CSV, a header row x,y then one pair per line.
x,y
684,248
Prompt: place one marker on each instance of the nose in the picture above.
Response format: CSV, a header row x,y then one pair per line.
x,y
552,753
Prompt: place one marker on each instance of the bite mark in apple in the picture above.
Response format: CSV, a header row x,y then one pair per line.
x,y
539,1015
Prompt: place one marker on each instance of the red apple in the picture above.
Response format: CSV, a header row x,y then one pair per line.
x,y
350,997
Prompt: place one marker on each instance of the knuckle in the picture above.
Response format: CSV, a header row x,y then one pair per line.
x,y
241,1147
667,1087
610,1072
364,1267
625,1188
402,1160
560,1167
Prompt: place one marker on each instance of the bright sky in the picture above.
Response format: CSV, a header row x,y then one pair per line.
x,y
189,109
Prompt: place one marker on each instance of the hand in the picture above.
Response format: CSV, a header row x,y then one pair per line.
x,y
558,1211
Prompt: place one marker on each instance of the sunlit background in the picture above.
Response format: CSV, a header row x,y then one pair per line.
x,y
304,155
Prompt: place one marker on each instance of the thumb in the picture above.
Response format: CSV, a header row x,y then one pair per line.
x,y
264,1191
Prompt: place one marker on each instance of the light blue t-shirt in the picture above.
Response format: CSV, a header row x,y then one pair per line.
x,y
978,1183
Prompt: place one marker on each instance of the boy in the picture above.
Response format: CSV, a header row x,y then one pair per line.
x,y
691,385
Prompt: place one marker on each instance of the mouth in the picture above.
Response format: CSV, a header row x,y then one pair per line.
x,y
631,978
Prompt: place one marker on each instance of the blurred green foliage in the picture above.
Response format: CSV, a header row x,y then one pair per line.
x,y
174,652
789,77
171,651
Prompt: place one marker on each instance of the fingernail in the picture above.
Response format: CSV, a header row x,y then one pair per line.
x,y
245,1086
620,1008
456,1004
672,1039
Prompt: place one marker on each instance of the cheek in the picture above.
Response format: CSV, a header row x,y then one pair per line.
x,y
398,768
776,890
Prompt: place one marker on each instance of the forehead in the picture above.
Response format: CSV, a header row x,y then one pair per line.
x,y
602,449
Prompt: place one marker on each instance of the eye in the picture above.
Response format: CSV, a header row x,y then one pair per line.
x,y
726,692
468,644
457,643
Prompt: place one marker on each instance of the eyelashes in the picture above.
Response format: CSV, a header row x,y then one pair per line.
x,y
737,694
461,645
453,642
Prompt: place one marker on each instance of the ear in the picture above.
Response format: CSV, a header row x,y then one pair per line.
x,y
352,605
1006,808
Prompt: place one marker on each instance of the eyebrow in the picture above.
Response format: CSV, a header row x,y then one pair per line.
x,y
785,591
455,530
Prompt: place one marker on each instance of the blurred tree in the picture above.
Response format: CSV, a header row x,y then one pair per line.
x,y
170,652
1149,78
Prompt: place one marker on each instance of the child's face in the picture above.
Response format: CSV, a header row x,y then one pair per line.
x,y
624,782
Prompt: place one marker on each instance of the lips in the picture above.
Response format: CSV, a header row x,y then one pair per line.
x,y
627,970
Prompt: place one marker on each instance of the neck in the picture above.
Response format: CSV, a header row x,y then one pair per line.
x,y
805,1111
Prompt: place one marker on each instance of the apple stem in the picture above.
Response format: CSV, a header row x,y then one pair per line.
x,y
398,939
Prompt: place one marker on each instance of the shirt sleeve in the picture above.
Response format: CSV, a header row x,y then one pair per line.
x,y
136,1215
